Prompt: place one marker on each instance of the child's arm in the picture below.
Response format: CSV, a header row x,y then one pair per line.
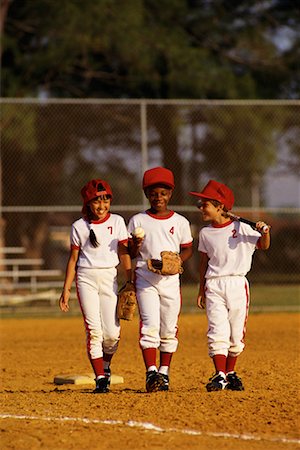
x,y
185,253
265,239
134,245
125,260
202,271
69,277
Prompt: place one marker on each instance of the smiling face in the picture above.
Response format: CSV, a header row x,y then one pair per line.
x,y
211,210
100,207
159,197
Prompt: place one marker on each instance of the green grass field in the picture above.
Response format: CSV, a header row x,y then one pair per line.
x,y
264,298
279,297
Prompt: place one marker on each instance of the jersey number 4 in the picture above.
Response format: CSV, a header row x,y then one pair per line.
x,y
172,230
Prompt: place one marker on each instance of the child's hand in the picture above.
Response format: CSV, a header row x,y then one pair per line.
x,y
64,301
265,239
138,242
134,245
262,227
201,301
138,236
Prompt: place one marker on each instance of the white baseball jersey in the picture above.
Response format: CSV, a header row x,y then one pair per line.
x,y
171,233
109,232
229,248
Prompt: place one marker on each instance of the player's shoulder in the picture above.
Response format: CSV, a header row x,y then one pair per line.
x,y
246,229
79,222
206,229
140,215
116,216
180,217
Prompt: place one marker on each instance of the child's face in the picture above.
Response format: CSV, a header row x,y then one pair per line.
x,y
159,197
210,212
100,207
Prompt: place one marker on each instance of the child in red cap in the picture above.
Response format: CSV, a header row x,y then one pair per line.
x,y
98,243
158,296
226,248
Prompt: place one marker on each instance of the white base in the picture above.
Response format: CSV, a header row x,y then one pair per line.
x,y
84,379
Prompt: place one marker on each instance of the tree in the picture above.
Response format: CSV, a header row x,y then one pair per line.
x,y
148,49
145,48
238,147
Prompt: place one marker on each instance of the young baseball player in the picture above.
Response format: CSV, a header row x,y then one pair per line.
x,y
158,291
226,248
99,241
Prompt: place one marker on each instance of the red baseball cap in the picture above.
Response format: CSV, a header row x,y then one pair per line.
x,y
217,191
93,189
158,175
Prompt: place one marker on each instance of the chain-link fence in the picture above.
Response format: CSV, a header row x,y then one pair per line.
x,y
50,148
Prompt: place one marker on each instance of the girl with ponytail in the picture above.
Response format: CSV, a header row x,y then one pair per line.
x,y
99,242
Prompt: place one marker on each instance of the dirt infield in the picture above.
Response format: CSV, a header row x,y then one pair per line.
x,y
35,413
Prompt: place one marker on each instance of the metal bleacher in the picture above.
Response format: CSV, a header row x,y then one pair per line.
x,y
24,280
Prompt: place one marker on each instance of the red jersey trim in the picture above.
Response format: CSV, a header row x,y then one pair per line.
x,y
222,225
124,241
101,220
75,247
159,217
189,244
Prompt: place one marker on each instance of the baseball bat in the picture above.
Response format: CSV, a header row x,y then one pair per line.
x,y
249,222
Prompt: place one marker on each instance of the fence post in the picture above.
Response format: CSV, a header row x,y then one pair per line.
x,y
144,143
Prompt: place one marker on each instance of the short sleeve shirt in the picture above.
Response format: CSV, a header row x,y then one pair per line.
x,y
109,232
229,248
171,233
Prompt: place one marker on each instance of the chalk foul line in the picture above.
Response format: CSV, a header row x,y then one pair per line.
x,y
151,427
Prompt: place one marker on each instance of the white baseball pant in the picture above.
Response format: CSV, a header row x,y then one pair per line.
x,y
159,300
227,306
97,295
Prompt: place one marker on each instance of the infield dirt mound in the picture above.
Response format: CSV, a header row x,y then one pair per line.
x,y
35,413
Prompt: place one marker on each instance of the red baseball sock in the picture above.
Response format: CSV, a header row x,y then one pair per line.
x,y
149,355
220,363
97,365
165,359
230,363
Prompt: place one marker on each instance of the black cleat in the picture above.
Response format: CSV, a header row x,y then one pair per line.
x,y
165,386
102,386
107,374
154,381
234,382
217,382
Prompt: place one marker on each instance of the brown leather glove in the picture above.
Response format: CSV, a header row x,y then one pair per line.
x,y
170,264
126,302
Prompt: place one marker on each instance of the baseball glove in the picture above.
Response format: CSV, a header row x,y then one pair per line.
x,y
170,264
126,302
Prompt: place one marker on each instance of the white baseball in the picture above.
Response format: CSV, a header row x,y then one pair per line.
x,y
138,232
